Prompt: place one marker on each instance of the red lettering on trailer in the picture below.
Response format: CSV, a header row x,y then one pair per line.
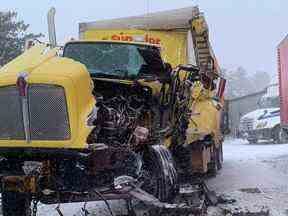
x,y
147,38
116,37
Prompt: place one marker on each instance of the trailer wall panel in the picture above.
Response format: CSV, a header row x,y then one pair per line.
x,y
283,80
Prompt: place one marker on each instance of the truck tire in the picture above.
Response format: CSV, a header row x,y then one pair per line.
x,y
162,179
219,157
213,165
252,141
279,135
16,204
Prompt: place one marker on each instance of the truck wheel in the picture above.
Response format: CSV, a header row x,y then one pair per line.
x,y
219,157
161,176
279,135
213,165
252,141
16,204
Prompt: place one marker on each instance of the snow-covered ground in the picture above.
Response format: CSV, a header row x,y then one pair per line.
x,y
256,176
75,209
248,165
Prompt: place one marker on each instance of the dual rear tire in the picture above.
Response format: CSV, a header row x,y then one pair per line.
x,y
216,162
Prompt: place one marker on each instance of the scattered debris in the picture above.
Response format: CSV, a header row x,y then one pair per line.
x,y
224,199
245,212
250,190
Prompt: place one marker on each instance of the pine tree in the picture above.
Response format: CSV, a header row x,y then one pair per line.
x,y
13,34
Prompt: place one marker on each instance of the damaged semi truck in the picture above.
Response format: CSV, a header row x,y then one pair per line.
x,y
135,103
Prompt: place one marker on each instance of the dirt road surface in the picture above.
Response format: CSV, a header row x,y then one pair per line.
x,y
254,175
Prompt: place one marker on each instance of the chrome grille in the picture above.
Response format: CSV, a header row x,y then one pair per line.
x,y
11,121
48,113
246,124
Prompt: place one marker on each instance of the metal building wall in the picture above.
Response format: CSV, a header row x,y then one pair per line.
x,y
240,106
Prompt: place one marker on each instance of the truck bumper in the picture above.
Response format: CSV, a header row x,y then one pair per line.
x,y
265,134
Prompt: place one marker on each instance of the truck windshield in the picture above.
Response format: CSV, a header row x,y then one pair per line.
x,y
114,59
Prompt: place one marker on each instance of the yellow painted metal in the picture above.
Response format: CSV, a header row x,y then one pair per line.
x,y
205,118
199,25
173,43
29,59
202,44
47,68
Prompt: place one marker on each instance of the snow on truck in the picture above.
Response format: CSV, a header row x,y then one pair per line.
x,y
130,110
263,123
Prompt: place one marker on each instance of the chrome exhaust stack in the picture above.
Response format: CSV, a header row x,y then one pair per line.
x,y
51,27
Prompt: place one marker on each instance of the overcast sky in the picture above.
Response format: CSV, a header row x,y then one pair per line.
x,y
243,32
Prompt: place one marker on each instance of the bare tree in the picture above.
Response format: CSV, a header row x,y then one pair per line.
x,y
239,83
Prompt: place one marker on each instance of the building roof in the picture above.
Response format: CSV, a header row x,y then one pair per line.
x,y
247,96
285,40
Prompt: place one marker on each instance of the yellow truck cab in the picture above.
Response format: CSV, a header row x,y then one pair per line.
x,y
119,109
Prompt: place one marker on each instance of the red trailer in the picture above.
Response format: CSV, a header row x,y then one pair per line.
x,y
283,80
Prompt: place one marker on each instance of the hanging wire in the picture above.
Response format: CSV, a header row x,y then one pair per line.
x,y
105,201
59,210
84,209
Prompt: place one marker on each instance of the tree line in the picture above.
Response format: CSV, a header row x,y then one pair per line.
x,y
240,83
13,34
